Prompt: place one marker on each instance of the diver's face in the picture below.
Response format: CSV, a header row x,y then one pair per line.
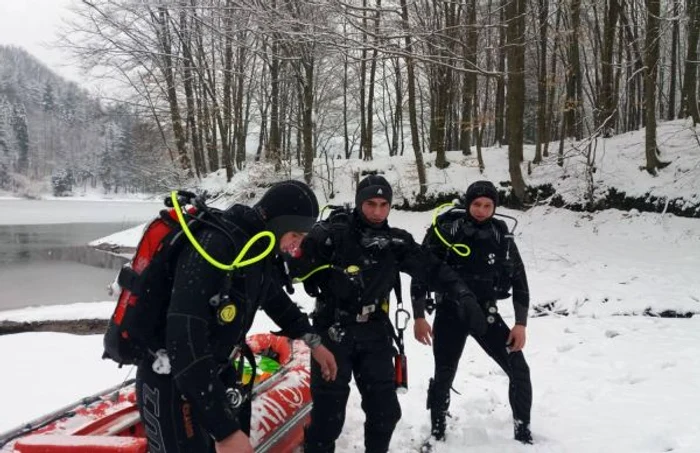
x,y
482,209
290,242
376,210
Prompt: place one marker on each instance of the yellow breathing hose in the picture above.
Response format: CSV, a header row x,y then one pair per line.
x,y
239,261
318,269
462,250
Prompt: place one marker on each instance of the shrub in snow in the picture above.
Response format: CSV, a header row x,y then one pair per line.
x,y
62,182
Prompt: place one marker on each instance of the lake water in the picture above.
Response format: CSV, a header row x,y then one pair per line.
x,y
44,259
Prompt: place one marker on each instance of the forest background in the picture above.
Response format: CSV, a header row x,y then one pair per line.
x,y
214,86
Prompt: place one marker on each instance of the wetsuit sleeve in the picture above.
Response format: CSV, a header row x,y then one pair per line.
x,y
521,291
422,265
316,250
286,314
187,336
418,300
419,288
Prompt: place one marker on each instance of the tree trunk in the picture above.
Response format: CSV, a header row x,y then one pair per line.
x,y
552,86
515,11
542,82
634,71
241,103
469,87
346,132
440,99
651,63
500,105
168,74
187,80
689,101
397,120
208,127
674,62
573,84
608,96
307,118
225,125
412,115
441,83
273,151
369,129
363,84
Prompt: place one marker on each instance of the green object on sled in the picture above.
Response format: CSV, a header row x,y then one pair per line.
x,y
265,367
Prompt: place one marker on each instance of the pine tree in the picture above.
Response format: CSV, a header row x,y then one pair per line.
x,y
5,144
19,124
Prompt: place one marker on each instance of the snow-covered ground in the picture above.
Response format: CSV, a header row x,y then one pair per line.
x,y
602,382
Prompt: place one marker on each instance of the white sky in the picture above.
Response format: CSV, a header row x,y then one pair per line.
x,y
33,25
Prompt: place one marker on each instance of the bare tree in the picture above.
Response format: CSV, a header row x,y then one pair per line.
x,y
470,43
675,32
608,96
411,86
651,62
542,80
515,13
689,101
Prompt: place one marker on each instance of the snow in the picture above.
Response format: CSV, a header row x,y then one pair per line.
x,y
601,382
618,162
81,310
604,377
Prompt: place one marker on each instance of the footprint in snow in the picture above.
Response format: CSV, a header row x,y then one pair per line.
x,y
611,333
565,348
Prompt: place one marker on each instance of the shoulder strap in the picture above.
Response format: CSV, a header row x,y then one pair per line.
x,y
397,288
338,224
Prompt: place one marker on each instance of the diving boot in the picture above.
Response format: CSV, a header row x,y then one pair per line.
x,y
438,424
438,405
522,432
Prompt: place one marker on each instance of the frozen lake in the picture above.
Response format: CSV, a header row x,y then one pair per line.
x,y
44,259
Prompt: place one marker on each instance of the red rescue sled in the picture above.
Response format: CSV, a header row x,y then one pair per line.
x,y
109,422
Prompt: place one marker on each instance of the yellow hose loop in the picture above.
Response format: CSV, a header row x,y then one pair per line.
x,y
239,261
323,211
462,250
318,269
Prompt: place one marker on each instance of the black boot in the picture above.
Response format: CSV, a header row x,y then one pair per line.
x,y
438,404
377,442
311,446
522,432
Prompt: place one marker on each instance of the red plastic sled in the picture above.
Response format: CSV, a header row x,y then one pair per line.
x,y
109,422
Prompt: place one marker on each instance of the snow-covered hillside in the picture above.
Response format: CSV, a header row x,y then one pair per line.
x,y
618,165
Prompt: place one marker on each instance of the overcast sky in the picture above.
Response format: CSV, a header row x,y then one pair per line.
x,y
33,24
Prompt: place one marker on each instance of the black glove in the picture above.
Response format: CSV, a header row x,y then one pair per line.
x,y
470,313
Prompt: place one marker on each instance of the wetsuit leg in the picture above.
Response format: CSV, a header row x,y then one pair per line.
x,y
329,400
450,336
373,368
170,424
513,364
